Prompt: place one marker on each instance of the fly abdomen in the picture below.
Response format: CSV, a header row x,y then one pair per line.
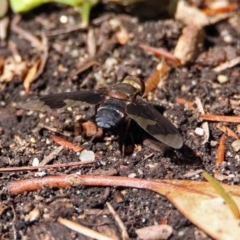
x,y
110,113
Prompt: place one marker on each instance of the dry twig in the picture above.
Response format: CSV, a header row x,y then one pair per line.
x,y
63,142
51,156
205,125
119,221
229,132
25,34
219,118
58,165
160,52
221,150
83,230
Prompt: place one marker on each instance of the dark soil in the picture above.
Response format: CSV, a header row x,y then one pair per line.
x,y
20,144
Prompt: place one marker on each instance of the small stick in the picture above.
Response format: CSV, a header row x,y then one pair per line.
x,y
83,230
58,165
51,156
119,221
229,64
221,150
68,29
63,181
44,56
69,145
219,118
25,34
228,8
205,125
229,132
13,223
160,52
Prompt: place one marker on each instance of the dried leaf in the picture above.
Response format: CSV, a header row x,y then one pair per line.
x,y
227,198
229,132
199,202
12,68
30,77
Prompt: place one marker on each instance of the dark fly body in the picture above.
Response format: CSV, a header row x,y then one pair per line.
x,y
113,105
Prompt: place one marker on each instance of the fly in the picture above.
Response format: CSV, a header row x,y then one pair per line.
x,y
113,105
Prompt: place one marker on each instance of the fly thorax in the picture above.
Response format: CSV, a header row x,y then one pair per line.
x,y
110,113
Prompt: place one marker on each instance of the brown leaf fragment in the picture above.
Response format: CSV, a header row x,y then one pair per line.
x,y
63,142
122,36
189,44
228,8
229,132
12,68
186,103
236,145
221,150
158,77
219,118
189,14
161,53
155,232
30,77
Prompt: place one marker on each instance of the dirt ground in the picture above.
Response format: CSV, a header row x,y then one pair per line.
x,y
24,141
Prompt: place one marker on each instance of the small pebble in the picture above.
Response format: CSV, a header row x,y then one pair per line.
x,y
199,131
222,79
132,175
110,62
32,140
33,216
236,145
35,162
63,19
40,174
86,155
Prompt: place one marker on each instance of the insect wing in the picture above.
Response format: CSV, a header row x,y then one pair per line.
x,y
154,123
63,100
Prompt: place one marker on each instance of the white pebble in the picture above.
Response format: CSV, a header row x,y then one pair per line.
x,y
63,19
110,62
86,155
222,78
35,162
33,216
199,131
236,145
132,175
